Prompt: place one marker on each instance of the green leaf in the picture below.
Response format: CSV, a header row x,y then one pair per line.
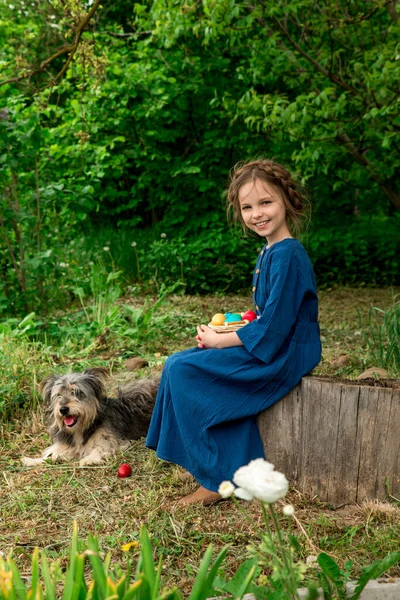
x,y
35,573
18,585
375,570
49,584
205,577
241,580
147,562
332,571
99,574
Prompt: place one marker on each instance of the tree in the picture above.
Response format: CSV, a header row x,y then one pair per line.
x,y
52,35
323,75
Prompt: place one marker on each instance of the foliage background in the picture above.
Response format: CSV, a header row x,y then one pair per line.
x,y
118,128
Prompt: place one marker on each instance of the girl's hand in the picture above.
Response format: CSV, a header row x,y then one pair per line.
x,y
206,337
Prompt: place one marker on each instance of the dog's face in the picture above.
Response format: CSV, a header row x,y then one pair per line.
x,y
74,400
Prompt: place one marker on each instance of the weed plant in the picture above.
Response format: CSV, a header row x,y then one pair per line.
x,y
21,361
30,348
106,328
381,332
89,575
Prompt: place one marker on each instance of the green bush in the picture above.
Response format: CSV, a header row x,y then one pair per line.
x,y
210,259
366,252
216,260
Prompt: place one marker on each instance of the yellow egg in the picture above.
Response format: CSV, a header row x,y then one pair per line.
x,y
218,319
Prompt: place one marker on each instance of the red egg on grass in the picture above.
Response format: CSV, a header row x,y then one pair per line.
x,y
250,315
124,470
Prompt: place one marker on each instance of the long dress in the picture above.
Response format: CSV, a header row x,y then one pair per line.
x,y
206,408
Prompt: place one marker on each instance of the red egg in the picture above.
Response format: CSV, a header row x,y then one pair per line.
x,y
250,315
125,470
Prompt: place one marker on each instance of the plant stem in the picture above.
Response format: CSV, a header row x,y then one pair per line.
x,y
240,507
292,584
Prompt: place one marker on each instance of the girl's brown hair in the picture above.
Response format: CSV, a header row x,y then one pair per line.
x,y
297,206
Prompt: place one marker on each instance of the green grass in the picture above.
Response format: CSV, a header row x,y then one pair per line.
x,y
38,507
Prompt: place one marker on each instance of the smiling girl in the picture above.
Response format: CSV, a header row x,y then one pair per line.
x,y
210,396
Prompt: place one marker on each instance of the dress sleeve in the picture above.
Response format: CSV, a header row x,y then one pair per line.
x,y
266,336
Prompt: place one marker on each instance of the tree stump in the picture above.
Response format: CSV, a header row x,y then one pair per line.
x,y
337,440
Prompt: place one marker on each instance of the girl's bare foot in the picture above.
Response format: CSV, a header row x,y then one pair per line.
x,y
200,496
185,476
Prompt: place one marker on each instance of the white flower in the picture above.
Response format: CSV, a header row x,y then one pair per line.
x,y
259,480
288,510
63,265
226,489
311,559
106,248
134,244
163,235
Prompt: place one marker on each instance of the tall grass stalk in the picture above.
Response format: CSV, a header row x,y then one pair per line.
x,y
21,358
381,332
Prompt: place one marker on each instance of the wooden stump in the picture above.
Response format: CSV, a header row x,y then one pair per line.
x,y
339,441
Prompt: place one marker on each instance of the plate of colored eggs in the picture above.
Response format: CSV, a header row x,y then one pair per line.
x,y
231,321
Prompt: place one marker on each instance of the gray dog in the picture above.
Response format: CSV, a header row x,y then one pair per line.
x,y
85,424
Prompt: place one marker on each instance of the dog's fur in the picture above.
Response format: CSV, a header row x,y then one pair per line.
x,y
85,424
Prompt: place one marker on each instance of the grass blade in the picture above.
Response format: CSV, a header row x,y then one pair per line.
x,y
49,585
197,592
17,583
205,577
147,562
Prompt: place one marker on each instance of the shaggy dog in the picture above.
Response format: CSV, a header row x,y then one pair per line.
x,y
85,424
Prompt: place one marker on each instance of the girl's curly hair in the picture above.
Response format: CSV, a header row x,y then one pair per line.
x,y
297,205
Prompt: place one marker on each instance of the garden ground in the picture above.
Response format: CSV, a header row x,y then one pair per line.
x,y
37,507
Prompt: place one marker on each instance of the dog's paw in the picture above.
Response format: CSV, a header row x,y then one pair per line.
x,y
89,461
31,462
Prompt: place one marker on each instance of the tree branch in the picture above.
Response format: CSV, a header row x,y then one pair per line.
x,y
392,10
338,80
68,49
393,196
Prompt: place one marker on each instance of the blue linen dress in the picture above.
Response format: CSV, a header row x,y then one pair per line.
x,y
206,408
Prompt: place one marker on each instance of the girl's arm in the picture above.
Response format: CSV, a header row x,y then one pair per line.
x,y
208,338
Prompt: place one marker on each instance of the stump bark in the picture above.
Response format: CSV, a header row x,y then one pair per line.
x,y
339,441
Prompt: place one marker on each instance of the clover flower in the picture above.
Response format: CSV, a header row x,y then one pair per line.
x,y
259,480
288,510
134,244
163,235
226,489
106,248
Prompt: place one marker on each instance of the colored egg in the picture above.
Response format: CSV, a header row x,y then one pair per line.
x,y
250,315
233,317
218,319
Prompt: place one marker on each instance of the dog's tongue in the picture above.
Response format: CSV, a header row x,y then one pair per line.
x,y
69,421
